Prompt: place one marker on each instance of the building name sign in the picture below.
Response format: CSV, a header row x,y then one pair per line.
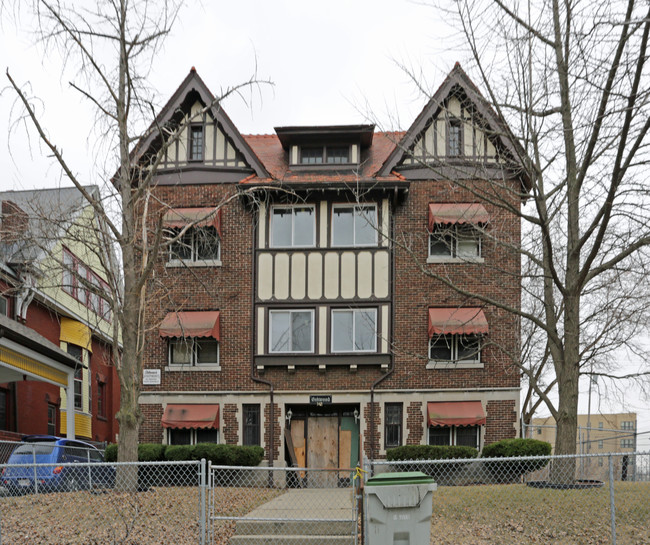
x,y
320,400
151,377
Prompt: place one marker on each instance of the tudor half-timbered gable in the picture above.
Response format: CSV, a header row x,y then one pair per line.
x,y
309,282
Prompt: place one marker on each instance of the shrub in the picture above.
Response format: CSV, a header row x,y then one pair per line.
x,y
110,454
443,473
151,452
512,470
178,453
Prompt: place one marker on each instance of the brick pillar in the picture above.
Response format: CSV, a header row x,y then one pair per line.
x,y
372,435
501,420
277,430
230,424
414,423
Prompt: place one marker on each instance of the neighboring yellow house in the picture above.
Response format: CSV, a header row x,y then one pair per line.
x,y
65,264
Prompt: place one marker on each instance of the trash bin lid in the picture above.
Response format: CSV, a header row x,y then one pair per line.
x,y
399,478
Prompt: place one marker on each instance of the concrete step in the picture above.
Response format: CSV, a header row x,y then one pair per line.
x,y
291,540
295,527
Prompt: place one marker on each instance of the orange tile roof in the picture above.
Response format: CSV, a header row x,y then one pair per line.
x,y
268,149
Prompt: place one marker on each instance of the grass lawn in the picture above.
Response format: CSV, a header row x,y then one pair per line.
x,y
516,514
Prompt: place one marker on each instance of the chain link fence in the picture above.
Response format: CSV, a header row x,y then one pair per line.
x,y
290,506
101,503
561,500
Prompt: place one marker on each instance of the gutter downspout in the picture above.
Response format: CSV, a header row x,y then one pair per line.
x,y
390,336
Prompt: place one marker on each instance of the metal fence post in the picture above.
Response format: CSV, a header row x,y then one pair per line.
x,y
202,515
35,469
612,505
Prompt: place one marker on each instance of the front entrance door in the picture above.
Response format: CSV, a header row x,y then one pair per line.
x,y
323,437
323,442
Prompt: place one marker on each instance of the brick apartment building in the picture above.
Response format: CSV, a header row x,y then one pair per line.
x,y
312,313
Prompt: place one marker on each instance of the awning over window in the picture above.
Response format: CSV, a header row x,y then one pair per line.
x,y
180,217
450,213
455,413
191,416
457,321
191,324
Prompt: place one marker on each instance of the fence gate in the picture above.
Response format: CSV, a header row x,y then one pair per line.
x,y
247,506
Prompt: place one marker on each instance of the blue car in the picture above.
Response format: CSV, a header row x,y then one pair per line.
x,y
57,452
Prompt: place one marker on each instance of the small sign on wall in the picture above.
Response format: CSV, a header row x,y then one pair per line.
x,y
151,377
320,400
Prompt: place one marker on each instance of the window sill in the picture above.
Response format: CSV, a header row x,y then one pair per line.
x,y
177,263
191,368
433,364
449,259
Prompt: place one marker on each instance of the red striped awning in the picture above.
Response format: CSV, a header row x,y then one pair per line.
x,y
450,213
457,321
191,416
178,218
455,413
191,324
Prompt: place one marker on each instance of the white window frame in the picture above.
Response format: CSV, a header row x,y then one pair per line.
x,y
354,312
193,260
275,312
451,235
192,342
82,291
477,362
193,436
357,211
293,208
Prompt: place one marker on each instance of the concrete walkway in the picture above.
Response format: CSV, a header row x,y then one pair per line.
x,y
309,503
307,516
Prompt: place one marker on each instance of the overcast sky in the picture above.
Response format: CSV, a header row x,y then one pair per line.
x,y
334,62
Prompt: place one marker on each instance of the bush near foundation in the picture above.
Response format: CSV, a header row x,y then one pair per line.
x,y
444,474
513,470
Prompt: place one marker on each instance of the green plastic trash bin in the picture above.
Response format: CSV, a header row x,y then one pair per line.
x,y
399,508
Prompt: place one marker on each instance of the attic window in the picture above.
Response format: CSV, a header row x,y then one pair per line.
x,y
196,143
454,136
318,155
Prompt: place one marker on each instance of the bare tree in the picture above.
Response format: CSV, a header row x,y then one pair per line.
x,y
571,81
111,46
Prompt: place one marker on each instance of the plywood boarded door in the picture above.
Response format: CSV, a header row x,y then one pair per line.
x,y
323,442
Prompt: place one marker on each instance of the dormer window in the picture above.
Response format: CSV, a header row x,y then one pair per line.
x,y
318,155
196,143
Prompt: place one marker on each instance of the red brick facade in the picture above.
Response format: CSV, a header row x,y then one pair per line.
x,y
319,392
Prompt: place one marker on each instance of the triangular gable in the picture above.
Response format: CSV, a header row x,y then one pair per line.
x,y
421,133
190,92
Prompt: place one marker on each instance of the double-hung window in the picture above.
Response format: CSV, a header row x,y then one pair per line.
x,y
354,225
354,330
455,241
196,143
463,436
195,245
291,331
458,348
293,226
192,437
193,351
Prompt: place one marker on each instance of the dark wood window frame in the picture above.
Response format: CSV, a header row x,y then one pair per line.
x,y
454,137
324,156
93,292
196,144
251,424
393,418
